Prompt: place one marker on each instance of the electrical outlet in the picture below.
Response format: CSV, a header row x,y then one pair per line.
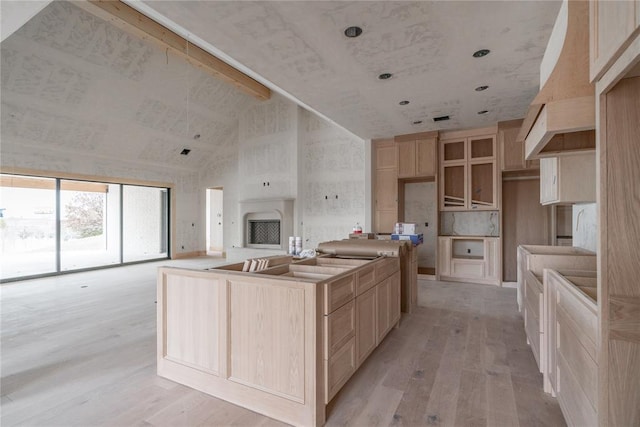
x,y
426,224
468,250
182,246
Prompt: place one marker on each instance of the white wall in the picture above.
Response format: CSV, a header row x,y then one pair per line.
x,y
302,157
332,164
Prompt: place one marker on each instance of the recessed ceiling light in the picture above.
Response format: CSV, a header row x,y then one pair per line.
x,y
385,76
440,119
483,112
353,32
481,88
405,102
417,122
480,53
185,151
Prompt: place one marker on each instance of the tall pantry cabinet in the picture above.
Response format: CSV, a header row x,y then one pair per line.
x,y
615,70
386,185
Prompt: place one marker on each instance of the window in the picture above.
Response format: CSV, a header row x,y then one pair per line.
x,y
51,225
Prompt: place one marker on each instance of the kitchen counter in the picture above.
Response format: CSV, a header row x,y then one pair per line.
x,y
281,341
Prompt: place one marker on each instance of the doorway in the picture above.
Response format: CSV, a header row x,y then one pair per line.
x,y
420,207
214,226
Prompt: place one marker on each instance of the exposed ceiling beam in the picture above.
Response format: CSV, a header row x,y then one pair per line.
x,y
128,19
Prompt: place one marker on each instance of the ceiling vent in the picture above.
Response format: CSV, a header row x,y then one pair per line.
x,y
440,119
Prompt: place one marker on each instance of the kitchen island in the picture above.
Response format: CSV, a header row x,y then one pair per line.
x,y
281,341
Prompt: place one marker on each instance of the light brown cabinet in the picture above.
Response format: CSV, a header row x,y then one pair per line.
x,y
512,150
469,259
416,157
571,325
386,186
366,318
468,173
388,303
612,25
568,179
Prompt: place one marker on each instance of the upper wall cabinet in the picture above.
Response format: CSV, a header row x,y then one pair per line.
x,y
566,101
613,23
568,179
416,154
468,178
512,150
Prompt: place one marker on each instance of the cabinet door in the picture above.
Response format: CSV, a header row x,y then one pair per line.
x,y
386,221
386,156
482,147
394,299
386,190
366,322
426,157
406,159
482,185
492,260
453,187
454,150
512,151
383,296
444,256
548,180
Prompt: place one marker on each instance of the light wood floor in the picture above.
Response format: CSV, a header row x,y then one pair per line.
x,y
80,350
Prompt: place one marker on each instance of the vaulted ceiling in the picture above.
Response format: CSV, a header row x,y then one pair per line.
x,y
427,46
73,82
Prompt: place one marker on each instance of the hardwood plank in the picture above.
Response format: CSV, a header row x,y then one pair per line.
x,y
86,356
471,409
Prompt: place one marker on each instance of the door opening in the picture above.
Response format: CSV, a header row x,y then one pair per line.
x,y
214,226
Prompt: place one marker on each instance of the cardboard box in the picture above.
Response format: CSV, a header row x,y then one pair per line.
x,y
416,239
405,228
365,236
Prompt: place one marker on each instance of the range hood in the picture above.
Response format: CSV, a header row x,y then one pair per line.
x,y
562,117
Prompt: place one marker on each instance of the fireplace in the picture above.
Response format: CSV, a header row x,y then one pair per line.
x,y
266,224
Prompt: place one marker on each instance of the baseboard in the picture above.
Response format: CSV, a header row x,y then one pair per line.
x,y
189,254
513,285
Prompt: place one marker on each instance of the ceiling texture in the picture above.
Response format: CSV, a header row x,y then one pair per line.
x,y
72,82
427,46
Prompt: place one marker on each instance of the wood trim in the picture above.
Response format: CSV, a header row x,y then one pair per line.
x,y
465,133
82,177
130,20
567,115
193,254
626,62
415,136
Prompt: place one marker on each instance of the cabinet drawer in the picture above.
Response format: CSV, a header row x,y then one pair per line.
x,y
386,268
473,269
580,318
532,328
577,409
533,295
339,368
366,279
339,326
338,292
583,367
